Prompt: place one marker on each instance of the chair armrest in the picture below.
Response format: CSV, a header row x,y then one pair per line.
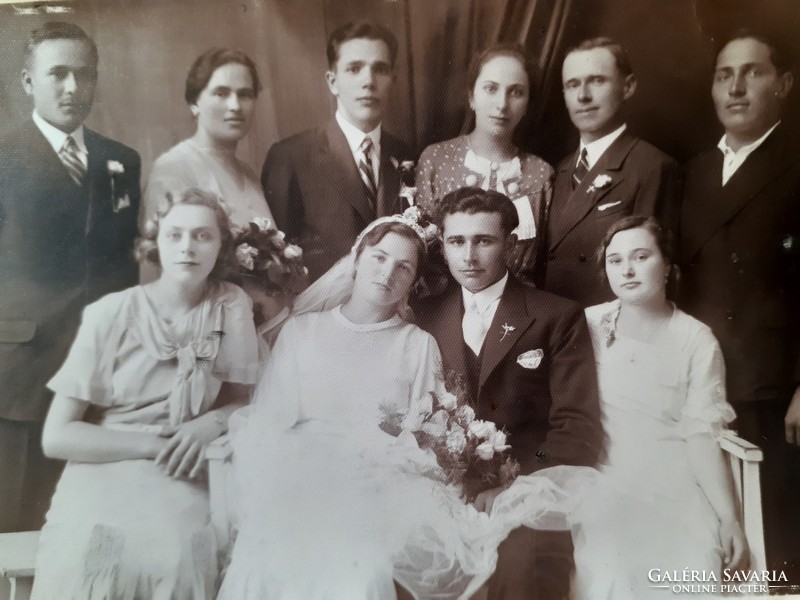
x,y
740,448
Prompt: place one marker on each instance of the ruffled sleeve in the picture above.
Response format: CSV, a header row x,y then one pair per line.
x,y
86,374
707,410
237,359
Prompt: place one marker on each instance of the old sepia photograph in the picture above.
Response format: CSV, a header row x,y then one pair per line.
x,y
394,299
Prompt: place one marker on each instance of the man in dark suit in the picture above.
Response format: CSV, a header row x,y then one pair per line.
x,y
612,174
740,250
526,358
68,208
325,185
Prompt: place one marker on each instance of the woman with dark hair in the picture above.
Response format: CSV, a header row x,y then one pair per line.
x,y
221,91
500,83
151,379
667,500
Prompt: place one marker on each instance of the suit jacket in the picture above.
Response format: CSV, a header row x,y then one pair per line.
x,y
62,246
740,246
642,180
549,409
316,195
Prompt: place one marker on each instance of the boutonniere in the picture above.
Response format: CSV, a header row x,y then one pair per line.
x,y
408,189
506,330
115,168
600,182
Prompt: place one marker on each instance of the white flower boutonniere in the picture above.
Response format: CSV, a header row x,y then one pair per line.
x,y
114,168
600,182
506,330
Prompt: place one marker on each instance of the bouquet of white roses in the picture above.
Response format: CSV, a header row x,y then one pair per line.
x,y
472,453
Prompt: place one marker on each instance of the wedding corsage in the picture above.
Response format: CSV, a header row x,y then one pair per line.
x,y
114,168
600,182
472,454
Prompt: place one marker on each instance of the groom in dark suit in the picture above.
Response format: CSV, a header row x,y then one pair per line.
x,y
326,184
527,360
741,269
68,208
612,174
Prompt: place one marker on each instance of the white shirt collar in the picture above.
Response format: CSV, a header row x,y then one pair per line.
x,y
355,136
744,151
486,296
56,137
596,149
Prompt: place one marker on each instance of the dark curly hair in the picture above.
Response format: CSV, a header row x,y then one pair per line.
x,y
146,248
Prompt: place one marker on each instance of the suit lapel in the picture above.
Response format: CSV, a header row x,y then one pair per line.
x,y
715,204
510,321
345,180
582,200
446,328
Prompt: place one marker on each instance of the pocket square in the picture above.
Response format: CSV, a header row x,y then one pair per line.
x,y
530,359
122,202
609,205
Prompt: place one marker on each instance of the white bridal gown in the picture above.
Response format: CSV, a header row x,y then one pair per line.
x,y
330,506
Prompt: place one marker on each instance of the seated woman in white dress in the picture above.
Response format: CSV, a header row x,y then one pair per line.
x,y
150,381
667,500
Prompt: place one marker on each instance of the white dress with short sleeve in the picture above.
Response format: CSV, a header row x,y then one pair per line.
x,y
649,511
125,530
331,506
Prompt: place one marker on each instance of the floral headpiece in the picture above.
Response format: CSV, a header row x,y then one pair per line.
x,y
412,217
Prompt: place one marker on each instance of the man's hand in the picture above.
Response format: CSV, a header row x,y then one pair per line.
x,y
485,500
792,419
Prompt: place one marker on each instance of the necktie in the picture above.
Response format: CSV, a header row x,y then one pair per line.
x,y
72,161
365,170
474,327
581,169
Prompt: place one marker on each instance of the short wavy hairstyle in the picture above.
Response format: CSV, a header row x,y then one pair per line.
x,y
146,248
472,200
202,70
377,233
664,242
59,30
358,30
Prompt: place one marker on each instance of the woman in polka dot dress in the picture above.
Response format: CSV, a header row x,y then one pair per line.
x,y
499,88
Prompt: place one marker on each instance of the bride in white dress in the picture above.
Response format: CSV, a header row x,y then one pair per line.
x,y
330,506
665,500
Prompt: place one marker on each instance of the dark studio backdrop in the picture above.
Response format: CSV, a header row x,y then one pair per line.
x,y
147,46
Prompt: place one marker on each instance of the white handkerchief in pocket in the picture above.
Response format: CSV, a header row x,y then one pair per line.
x,y
530,359
603,207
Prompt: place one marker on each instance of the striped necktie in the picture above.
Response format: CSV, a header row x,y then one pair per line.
x,y
72,160
365,170
581,169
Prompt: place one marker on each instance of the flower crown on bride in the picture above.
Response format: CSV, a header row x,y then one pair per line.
x,y
412,217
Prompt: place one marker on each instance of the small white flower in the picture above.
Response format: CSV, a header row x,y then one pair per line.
x,y
482,430
115,167
600,182
498,441
436,426
506,330
456,441
513,187
448,401
263,223
466,415
292,251
245,254
485,451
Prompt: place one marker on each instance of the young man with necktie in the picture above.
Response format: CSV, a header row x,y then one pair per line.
x,y
68,210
